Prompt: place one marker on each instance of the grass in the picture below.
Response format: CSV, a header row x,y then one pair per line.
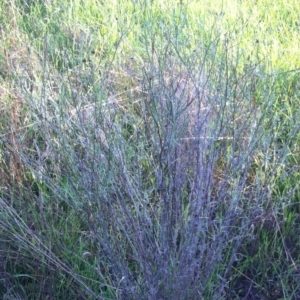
x,y
149,150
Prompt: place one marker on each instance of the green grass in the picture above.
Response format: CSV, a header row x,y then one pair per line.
x,y
101,183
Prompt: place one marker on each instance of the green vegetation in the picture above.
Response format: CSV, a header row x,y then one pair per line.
x,y
149,149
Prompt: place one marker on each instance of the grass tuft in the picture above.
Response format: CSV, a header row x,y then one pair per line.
x,y
149,150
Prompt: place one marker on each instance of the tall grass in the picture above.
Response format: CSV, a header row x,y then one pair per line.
x,y
147,157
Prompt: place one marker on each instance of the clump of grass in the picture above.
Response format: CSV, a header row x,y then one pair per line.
x,y
152,177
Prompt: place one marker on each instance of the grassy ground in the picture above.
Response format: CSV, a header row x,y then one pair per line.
x,y
149,149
